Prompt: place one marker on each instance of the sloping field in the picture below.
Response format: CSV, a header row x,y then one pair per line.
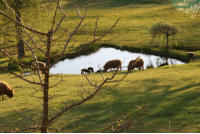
x,y
168,94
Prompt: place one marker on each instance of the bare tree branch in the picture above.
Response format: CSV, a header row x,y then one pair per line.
x,y
20,24
61,20
23,115
34,42
33,53
55,14
13,59
31,82
61,80
105,33
83,100
95,29
75,30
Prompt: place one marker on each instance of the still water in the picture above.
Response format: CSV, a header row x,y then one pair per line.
x,y
99,58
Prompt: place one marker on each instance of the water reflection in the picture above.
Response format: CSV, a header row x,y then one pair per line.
x,y
99,58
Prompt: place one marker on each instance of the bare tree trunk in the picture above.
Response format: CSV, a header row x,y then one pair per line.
x,y
45,121
20,42
167,37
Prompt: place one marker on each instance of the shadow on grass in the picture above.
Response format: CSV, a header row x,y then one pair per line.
x,y
167,103
14,122
162,106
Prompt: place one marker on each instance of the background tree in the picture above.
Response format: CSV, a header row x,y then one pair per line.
x,y
18,6
164,29
44,80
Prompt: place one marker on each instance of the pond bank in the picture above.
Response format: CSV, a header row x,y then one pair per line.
x,y
86,49
98,59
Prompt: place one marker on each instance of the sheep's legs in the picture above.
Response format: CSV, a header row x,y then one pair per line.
x,y
2,97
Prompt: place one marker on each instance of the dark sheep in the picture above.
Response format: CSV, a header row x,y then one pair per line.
x,y
90,69
84,71
164,64
137,63
99,71
5,89
42,66
112,64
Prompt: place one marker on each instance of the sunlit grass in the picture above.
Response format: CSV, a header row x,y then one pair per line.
x,y
170,93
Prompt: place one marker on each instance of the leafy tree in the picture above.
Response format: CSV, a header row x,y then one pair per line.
x,y
165,29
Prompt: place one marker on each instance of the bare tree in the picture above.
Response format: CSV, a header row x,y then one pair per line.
x,y
44,80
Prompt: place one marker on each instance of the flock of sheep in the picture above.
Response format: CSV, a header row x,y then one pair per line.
x,y
137,63
5,89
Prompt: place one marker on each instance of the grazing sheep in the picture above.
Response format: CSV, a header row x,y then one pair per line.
x,y
42,66
191,55
99,71
137,63
90,69
164,64
112,64
6,89
84,71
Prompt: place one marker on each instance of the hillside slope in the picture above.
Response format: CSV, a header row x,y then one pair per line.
x,y
168,94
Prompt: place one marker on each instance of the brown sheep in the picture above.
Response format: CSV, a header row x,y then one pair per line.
x,y
137,63
6,89
112,64
42,66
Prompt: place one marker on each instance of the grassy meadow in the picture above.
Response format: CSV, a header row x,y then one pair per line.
x,y
165,99
168,94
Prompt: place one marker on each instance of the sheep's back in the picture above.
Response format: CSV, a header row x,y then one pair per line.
x,y
3,87
112,64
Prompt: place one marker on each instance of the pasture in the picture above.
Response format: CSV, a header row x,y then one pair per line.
x,y
165,99
169,93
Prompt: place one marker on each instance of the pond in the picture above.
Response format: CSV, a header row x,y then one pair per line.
x,y
99,58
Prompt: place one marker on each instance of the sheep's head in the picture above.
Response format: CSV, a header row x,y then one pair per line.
x,y
10,93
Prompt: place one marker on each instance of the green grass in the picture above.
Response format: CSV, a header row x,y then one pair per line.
x,y
136,19
170,93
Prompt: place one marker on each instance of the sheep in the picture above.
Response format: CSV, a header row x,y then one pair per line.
x,y
112,64
137,63
164,64
84,71
6,89
90,69
100,71
42,66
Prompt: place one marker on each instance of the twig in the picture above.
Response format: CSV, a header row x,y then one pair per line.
x,y
82,101
31,82
22,25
